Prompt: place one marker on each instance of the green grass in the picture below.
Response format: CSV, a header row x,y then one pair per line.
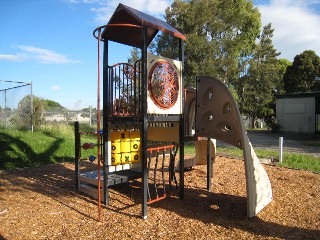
x,y
301,161
291,160
49,144
55,143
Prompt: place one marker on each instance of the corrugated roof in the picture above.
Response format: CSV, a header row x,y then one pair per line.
x,y
125,27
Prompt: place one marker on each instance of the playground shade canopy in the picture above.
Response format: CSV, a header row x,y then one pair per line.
x,y
127,21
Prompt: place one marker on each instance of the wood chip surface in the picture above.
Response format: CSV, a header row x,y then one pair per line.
x,y
43,203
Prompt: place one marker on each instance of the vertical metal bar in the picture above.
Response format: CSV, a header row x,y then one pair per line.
x,y
123,88
128,93
181,126
106,94
31,108
162,171
148,169
155,174
209,164
113,91
139,86
119,87
143,119
135,72
171,166
76,151
98,130
109,91
5,107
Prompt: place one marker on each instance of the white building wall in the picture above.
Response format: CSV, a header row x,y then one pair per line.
x,y
296,114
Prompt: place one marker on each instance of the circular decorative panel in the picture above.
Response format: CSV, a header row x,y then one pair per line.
x,y
163,83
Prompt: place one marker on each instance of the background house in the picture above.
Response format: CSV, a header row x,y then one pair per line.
x,y
299,112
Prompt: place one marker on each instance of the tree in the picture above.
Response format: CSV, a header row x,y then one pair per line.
x,y
50,104
283,64
23,117
303,75
135,56
38,108
219,34
258,85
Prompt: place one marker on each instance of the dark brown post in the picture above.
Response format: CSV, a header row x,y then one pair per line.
x,y
76,151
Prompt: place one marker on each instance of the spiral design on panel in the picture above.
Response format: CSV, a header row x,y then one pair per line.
x,y
163,83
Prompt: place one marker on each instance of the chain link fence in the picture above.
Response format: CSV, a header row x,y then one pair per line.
x,y
16,105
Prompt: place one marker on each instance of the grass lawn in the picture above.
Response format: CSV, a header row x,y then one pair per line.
x,y
291,160
50,144
53,144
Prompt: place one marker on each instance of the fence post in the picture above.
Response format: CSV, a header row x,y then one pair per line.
x,y
280,149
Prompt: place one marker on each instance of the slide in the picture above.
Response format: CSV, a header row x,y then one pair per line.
x,y
217,116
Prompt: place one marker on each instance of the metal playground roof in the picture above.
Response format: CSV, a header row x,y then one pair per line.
x,y
127,21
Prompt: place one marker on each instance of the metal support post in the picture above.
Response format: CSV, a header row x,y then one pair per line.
x,y
143,131
209,164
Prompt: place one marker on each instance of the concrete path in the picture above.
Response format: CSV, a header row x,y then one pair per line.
x,y
299,143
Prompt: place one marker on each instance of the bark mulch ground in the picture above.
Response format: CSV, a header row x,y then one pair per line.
x,y
43,203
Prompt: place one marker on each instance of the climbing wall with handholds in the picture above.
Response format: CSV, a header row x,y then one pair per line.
x,y
164,85
125,146
217,116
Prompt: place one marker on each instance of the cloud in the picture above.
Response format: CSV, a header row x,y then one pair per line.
x,y
45,56
104,9
10,57
55,88
83,1
41,55
296,24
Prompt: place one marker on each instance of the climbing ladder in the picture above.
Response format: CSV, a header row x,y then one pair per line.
x,y
160,167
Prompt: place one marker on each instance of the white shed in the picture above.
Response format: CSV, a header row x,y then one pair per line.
x,y
299,112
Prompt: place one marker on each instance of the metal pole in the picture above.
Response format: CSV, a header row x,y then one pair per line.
x,y
144,121
76,151
181,126
106,94
280,149
209,164
31,109
5,107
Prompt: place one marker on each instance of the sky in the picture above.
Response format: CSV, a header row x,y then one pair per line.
x,y
50,42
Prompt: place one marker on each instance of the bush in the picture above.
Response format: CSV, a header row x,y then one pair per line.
x,y
273,124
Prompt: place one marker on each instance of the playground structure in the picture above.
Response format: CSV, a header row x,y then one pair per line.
x,y
148,117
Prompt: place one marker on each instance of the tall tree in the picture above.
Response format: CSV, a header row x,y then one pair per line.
x,y
135,55
258,85
219,33
24,111
283,64
304,74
